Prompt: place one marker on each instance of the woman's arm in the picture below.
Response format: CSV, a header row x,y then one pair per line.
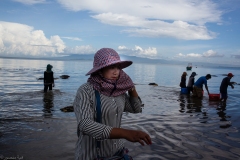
x,y
133,102
83,108
133,93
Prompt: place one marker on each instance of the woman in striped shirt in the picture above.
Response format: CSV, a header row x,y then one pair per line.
x,y
108,78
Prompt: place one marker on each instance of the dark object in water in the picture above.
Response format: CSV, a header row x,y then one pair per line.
x,y
43,78
64,76
67,109
153,84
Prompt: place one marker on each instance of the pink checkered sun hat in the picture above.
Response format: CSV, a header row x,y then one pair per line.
x,y
106,57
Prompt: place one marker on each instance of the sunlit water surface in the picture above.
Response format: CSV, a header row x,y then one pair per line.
x,y
181,127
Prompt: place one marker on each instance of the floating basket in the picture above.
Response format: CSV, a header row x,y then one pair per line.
x,y
214,97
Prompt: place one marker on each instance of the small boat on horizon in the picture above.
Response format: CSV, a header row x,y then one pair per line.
x,y
189,67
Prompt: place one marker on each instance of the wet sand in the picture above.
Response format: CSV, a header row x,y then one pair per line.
x,y
40,139
181,127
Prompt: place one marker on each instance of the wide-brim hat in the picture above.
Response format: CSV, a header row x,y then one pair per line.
x,y
106,57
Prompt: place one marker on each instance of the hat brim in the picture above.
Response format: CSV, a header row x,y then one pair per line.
x,y
123,64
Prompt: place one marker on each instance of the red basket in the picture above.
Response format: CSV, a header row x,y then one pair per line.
x,y
214,97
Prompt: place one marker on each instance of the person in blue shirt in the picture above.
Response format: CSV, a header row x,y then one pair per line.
x,y
224,85
198,86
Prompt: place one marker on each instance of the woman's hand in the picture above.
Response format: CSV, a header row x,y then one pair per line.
x,y
131,135
138,136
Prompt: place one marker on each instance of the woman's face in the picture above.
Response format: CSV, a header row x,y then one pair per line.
x,y
111,72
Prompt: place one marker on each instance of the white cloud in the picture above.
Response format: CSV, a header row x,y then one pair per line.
x,y
80,50
194,11
157,28
183,19
194,55
211,53
30,2
151,51
73,38
138,51
122,47
208,54
20,39
180,55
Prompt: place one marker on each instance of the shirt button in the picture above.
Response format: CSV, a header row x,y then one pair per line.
x,y
116,114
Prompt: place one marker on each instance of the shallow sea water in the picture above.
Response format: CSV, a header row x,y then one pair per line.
x,y
32,126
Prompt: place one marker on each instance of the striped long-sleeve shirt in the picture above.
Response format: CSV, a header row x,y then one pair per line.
x,y
90,131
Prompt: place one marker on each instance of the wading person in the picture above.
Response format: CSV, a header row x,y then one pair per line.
x,y
183,80
224,85
99,135
198,86
191,82
48,78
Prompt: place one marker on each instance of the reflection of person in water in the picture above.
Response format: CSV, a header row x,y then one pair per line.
x,y
48,78
223,115
48,104
197,104
194,105
221,112
189,104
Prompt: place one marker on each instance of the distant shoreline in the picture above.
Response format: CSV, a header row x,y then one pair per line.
x,y
90,57
41,58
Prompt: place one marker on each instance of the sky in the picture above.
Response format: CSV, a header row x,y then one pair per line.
x,y
182,30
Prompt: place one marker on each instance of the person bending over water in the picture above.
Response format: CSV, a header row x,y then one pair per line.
x,y
198,86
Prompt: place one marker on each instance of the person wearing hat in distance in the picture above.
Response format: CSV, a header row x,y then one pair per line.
x,y
48,79
198,86
113,84
183,80
224,85
191,81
